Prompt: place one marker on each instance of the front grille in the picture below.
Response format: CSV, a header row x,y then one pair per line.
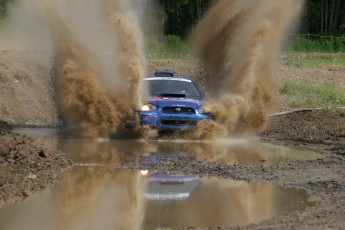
x,y
175,110
178,122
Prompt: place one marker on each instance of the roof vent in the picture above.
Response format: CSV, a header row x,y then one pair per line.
x,y
164,73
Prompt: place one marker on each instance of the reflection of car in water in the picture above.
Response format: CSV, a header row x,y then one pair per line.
x,y
175,102
166,187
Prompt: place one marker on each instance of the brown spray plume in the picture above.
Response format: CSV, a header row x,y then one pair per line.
x,y
237,41
99,63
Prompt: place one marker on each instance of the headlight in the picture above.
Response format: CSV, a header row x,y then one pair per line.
x,y
144,172
148,107
205,109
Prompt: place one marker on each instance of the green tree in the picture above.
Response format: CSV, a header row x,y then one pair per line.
x,y
320,16
3,4
181,15
324,16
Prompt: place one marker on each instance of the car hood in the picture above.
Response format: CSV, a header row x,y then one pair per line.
x,y
175,101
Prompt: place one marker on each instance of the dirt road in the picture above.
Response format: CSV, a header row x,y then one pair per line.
x,y
27,166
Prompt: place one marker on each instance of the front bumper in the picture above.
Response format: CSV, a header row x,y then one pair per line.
x,y
160,120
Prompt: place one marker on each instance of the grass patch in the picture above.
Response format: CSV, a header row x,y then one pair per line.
x,y
298,156
315,43
307,94
173,47
340,112
316,60
284,154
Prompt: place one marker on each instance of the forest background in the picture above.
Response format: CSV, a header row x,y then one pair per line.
x,y
321,28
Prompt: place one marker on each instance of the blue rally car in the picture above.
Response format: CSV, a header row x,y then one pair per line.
x,y
175,102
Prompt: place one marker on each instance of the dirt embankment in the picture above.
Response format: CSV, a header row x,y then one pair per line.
x,y
26,99
26,166
323,130
26,91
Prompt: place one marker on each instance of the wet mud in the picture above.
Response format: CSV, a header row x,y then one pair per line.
x,y
319,129
27,165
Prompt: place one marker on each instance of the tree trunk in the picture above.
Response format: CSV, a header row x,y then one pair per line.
x,y
336,17
331,18
342,15
326,16
322,13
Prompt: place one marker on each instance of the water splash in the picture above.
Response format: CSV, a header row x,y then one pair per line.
x,y
237,42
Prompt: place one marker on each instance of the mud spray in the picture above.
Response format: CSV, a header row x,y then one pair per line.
x,y
99,64
98,59
237,41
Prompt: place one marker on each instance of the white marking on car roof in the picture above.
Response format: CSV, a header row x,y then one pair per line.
x,y
167,78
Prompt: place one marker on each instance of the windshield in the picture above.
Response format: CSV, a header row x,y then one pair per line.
x,y
158,86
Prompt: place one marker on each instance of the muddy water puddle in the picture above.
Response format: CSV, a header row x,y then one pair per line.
x,y
96,194
92,197
112,152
